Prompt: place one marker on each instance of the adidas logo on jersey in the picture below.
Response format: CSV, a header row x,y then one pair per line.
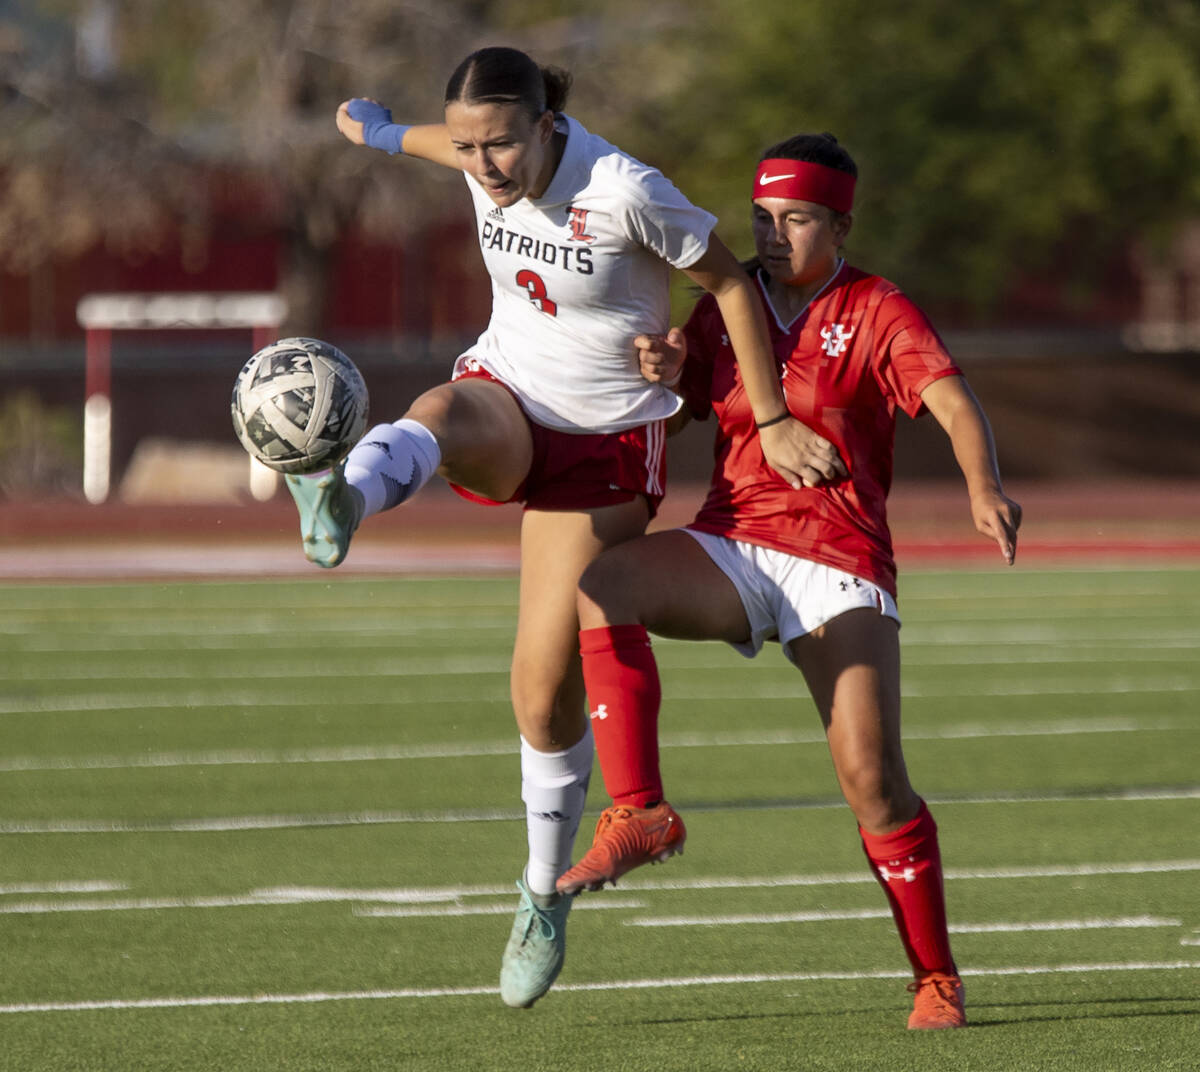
x,y
496,214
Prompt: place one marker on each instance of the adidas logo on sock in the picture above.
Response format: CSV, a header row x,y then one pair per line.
x,y
394,492
551,816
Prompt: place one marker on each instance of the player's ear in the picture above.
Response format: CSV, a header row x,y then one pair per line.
x,y
842,222
545,126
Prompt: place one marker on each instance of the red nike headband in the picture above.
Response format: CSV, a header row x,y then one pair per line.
x,y
800,180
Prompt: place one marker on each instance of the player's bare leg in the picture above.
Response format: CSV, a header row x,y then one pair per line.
x,y
482,433
556,746
472,432
852,665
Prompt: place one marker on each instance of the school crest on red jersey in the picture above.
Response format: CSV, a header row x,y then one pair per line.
x,y
835,338
577,218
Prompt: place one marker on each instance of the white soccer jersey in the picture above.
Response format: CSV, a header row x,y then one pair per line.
x,y
576,275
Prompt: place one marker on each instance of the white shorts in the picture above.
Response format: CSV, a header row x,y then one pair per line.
x,y
786,596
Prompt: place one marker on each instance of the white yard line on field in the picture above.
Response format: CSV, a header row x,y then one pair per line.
x,y
263,898
1103,868
257,562
454,895
1091,687
216,699
665,983
234,823
1016,927
448,750
91,662
8,889
506,909
263,757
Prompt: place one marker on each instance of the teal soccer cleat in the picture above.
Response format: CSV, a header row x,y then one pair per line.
x,y
536,947
330,510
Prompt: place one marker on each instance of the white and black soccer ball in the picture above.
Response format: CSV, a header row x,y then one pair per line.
x,y
299,405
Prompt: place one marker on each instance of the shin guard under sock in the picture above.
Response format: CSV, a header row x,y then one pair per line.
x,y
908,865
621,678
554,788
391,463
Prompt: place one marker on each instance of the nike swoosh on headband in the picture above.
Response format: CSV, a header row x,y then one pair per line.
x,y
805,181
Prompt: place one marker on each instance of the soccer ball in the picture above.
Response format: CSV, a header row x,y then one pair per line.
x,y
299,405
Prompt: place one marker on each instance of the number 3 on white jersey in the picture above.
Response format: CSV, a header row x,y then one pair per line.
x,y
532,282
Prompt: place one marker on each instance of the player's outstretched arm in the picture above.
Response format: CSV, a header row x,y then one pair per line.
x,y
957,410
801,456
367,122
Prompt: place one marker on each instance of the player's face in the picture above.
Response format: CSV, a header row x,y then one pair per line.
x,y
502,148
797,241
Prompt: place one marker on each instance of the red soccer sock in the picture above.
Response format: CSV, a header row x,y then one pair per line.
x,y
624,693
908,865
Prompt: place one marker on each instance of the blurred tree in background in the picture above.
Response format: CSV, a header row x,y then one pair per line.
x,y
994,140
42,447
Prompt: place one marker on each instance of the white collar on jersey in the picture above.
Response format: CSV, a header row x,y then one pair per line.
x,y
564,183
841,261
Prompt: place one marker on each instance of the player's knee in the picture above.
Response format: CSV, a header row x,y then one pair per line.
x,y
879,794
432,408
605,593
533,707
549,718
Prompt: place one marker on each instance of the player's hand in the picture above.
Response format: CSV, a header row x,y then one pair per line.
x,y
661,357
351,129
997,516
354,115
802,457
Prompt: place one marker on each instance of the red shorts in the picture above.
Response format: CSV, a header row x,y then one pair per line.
x,y
578,472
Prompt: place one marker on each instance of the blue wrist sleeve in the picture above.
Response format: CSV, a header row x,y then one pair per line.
x,y
379,132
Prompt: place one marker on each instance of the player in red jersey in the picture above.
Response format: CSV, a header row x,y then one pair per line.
x,y
812,567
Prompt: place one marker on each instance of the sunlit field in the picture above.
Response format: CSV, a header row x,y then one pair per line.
x,y
276,825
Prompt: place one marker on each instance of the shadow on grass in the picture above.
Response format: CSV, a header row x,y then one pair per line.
x,y
1084,1009
793,1014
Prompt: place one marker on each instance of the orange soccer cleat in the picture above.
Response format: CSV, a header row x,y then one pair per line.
x,y
625,838
938,1002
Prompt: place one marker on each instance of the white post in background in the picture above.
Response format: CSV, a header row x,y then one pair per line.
x,y
102,314
97,413
264,482
97,447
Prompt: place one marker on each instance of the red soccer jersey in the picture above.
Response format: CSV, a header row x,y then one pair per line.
x,y
859,350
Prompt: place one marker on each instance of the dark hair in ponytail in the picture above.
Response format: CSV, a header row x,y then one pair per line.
x,y
509,76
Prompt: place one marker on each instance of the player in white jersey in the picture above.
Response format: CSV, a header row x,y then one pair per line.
x,y
553,408
579,272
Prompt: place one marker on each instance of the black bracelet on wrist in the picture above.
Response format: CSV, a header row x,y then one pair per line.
x,y
774,420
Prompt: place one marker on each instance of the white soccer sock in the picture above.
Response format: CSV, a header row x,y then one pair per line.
x,y
391,463
554,787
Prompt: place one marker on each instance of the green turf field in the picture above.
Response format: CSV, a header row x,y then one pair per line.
x,y
275,825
